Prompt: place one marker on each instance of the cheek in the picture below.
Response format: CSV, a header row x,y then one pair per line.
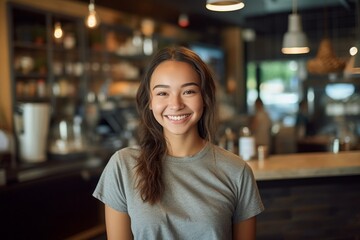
x,y
157,106
199,105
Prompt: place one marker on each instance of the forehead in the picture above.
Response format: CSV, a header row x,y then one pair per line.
x,y
174,70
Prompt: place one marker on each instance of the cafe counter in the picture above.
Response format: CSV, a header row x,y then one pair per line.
x,y
309,195
307,165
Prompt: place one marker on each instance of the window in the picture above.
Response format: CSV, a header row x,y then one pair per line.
x,y
279,86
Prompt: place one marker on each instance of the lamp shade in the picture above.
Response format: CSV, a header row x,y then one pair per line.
x,y
295,40
325,61
224,5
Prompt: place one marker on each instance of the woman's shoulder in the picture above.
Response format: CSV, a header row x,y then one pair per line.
x,y
226,156
230,163
126,155
129,150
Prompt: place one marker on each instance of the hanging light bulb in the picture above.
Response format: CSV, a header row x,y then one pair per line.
x,y
58,32
295,41
353,51
224,5
92,20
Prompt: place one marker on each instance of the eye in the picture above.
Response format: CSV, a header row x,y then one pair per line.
x,y
190,91
161,94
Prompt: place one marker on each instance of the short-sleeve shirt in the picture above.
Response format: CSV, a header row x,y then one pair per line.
x,y
204,196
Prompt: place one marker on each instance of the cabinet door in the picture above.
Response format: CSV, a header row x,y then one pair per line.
x,y
50,208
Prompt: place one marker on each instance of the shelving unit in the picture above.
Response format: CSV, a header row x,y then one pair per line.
x,y
322,87
108,60
44,69
81,71
333,102
116,60
29,54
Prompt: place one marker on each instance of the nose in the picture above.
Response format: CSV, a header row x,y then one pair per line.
x,y
176,102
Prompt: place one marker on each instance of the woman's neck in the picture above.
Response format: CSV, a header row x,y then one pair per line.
x,y
180,146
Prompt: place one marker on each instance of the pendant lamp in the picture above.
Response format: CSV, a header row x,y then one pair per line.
x,y
295,40
326,60
92,20
224,5
58,32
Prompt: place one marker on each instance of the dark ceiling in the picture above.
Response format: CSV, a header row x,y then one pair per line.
x,y
202,19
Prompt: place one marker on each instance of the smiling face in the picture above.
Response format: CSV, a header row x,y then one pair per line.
x,y
176,99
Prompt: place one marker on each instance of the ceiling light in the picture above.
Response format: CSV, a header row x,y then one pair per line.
x,y
58,32
224,5
295,40
92,20
326,60
353,51
339,91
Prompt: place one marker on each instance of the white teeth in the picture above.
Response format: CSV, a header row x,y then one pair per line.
x,y
177,118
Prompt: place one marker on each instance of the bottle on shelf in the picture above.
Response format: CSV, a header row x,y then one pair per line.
x,y
246,144
41,88
230,140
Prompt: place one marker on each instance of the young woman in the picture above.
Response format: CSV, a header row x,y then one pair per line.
x,y
177,184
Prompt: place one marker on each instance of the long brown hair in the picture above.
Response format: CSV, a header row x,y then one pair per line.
x,y
152,141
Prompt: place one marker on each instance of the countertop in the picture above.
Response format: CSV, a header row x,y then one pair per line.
x,y
306,165
88,163
275,167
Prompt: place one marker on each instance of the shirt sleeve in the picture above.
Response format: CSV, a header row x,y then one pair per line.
x,y
249,202
110,189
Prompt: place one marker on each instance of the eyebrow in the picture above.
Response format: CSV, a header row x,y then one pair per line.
x,y
168,86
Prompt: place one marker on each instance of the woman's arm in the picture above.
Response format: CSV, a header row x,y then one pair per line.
x,y
117,225
245,230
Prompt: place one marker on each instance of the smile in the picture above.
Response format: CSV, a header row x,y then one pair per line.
x,y
178,118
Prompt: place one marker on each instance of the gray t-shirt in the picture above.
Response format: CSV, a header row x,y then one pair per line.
x,y
205,195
